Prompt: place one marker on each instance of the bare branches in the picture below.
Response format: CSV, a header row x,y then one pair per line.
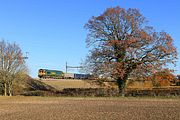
x,y
11,64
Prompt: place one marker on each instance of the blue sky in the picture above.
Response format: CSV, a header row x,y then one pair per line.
x,y
52,30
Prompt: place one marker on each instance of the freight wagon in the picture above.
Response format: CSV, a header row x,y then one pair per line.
x,y
69,75
81,76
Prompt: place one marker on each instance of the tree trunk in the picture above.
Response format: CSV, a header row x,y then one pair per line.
x,y
10,94
5,89
10,90
121,86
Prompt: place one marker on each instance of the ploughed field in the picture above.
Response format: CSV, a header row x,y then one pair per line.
x,y
72,108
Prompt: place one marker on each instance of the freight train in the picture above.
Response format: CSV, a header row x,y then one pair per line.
x,y
57,74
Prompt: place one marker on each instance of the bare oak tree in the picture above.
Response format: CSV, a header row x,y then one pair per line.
x,y
11,65
122,45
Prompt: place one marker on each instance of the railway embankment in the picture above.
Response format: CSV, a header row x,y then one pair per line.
x,y
85,88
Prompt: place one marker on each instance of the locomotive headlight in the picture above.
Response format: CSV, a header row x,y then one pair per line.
x,y
42,72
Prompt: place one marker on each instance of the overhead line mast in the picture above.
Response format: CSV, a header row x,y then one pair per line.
x,y
67,67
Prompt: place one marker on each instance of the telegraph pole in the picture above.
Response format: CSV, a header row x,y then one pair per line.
x,y
66,67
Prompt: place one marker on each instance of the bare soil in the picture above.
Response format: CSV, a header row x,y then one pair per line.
x,y
62,108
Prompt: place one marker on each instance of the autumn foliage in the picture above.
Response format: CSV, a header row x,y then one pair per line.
x,y
122,45
163,78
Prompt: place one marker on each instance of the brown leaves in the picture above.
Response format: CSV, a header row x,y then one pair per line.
x,y
163,78
118,70
123,44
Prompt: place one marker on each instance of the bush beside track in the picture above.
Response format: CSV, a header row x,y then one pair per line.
x,y
110,92
154,92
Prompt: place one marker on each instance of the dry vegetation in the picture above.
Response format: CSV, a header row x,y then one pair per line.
x,y
60,84
58,108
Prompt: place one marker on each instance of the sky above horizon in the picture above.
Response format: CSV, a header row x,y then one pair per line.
x,y
52,31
